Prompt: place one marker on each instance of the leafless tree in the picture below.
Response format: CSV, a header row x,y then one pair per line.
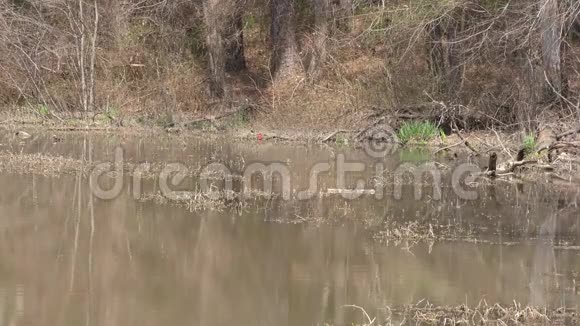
x,y
444,50
213,15
235,56
321,29
344,15
285,59
83,19
551,31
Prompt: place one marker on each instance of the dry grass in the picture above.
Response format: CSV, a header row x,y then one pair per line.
x,y
52,165
424,313
213,200
41,164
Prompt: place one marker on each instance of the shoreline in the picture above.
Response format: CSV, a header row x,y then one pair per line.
x,y
563,164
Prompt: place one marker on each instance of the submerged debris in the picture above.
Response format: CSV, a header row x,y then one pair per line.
x,y
23,135
483,314
214,200
413,232
55,165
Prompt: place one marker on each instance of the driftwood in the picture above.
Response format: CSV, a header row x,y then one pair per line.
x,y
508,168
332,191
511,166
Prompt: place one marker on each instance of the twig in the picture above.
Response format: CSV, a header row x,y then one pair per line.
x,y
329,137
511,166
568,133
295,88
501,143
81,128
559,145
467,144
507,174
360,133
557,176
448,147
370,321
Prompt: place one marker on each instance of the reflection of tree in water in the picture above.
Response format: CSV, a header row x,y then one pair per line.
x,y
146,264
544,263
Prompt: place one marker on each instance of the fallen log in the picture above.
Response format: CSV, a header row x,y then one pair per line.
x,y
511,166
508,168
546,137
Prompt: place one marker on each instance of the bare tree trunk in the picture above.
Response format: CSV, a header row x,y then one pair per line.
x,y
345,15
81,54
92,83
85,47
435,51
215,46
455,61
235,59
551,32
321,8
285,60
444,53
575,28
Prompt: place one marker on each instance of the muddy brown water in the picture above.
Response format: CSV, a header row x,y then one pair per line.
x,y
67,257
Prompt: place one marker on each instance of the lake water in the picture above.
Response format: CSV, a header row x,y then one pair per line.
x,y
68,257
